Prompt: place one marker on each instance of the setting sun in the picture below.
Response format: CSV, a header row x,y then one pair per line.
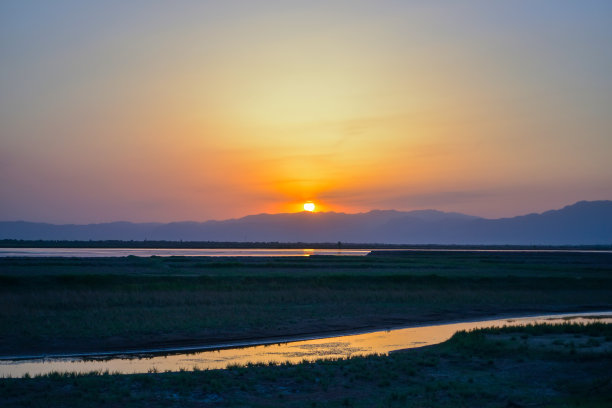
x,y
309,206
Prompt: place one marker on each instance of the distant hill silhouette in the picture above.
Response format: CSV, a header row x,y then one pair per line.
x,y
583,223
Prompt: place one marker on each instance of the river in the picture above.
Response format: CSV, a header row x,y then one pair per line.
x,y
309,349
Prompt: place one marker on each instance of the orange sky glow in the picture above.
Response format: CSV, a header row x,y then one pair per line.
x,y
214,110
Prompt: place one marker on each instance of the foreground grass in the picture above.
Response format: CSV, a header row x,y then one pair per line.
x,y
552,366
60,304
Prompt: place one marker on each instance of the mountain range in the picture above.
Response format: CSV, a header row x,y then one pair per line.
x,y
583,223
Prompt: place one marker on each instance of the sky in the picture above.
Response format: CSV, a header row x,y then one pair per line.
x,y
195,110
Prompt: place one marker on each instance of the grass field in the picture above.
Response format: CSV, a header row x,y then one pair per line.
x,y
548,366
73,304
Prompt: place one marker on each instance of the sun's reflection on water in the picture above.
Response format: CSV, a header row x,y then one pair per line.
x,y
380,342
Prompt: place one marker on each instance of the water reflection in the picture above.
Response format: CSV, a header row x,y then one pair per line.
x,y
380,342
146,252
248,252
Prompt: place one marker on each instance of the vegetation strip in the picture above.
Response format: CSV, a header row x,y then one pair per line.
x,y
21,243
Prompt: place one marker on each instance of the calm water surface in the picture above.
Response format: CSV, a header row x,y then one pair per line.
x,y
380,342
146,252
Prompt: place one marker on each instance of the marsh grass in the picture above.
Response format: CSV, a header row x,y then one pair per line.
x,y
189,305
77,304
495,264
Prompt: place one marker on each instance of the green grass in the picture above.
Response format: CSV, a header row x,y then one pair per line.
x,y
452,264
506,367
75,304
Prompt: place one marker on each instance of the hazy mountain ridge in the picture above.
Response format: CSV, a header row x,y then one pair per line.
x,y
585,222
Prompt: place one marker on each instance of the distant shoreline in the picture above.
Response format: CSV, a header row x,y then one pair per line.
x,y
19,243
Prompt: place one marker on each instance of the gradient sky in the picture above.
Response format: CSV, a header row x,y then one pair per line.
x,y
170,111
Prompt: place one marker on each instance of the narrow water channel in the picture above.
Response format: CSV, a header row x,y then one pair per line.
x,y
379,342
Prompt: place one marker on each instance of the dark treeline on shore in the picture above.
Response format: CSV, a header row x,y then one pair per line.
x,y
19,243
